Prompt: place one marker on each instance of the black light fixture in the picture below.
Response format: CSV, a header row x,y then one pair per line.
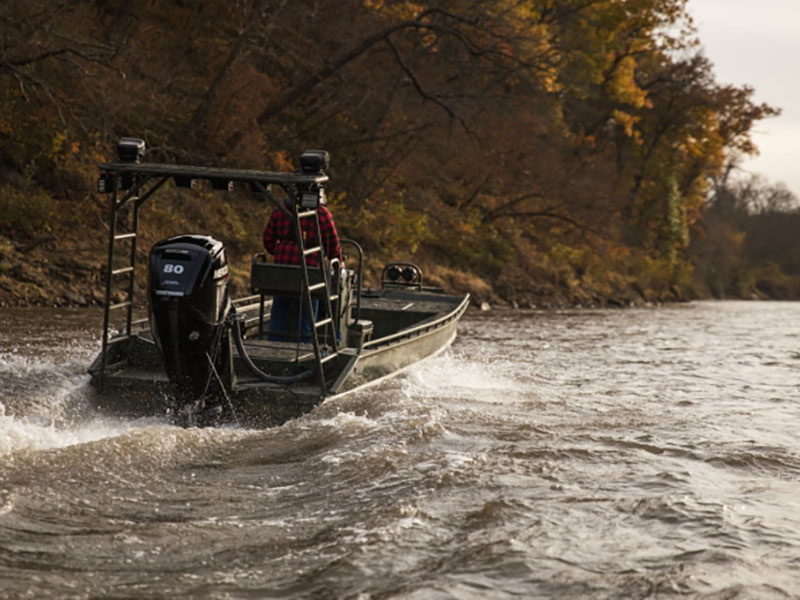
x,y
182,181
130,149
312,197
258,187
126,181
402,274
393,273
314,161
221,184
105,183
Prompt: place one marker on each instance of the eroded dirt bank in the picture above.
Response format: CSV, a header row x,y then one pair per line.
x,y
44,272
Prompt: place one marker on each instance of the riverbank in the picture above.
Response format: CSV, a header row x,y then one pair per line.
x,y
46,272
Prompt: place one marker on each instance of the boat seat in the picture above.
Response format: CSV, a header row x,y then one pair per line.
x,y
271,279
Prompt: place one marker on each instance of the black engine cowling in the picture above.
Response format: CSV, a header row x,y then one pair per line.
x,y
188,305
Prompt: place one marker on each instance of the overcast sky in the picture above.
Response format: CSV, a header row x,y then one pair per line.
x,y
757,42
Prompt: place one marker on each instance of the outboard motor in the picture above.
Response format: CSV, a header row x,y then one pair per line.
x,y
188,305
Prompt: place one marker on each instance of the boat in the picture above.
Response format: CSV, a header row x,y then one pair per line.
x,y
202,358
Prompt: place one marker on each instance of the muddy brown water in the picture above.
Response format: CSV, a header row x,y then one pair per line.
x,y
641,453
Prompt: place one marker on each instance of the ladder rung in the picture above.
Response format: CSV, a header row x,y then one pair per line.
x,y
324,322
122,270
308,251
333,297
124,236
119,338
316,286
305,214
328,357
120,305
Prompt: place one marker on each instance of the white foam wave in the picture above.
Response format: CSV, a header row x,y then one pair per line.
x,y
31,434
346,422
459,376
67,360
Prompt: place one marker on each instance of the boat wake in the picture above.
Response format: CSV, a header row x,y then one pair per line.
x,y
44,403
31,433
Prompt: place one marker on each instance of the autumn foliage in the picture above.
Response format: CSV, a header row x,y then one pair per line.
x,y
541,146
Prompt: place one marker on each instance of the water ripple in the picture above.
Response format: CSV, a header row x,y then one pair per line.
x,y
644,453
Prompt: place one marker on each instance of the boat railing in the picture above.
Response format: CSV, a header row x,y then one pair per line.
x,y
359,270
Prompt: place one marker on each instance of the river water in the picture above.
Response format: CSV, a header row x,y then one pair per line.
x,y
639,453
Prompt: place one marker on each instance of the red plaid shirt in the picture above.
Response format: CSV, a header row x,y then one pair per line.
x,y
279,238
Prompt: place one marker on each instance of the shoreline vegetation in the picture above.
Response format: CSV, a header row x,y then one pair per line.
x,y
534,154
41,273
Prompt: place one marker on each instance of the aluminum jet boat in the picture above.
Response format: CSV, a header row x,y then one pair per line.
x,y
204,359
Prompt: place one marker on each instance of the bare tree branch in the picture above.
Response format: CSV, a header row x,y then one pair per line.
x,y
257,15
425,96
505,208
331,68
546,214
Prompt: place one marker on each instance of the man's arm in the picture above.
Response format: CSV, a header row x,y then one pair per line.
x,y
330,237
269,237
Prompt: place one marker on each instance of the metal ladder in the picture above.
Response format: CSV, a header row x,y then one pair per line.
x,y
328,322
128,270
117,183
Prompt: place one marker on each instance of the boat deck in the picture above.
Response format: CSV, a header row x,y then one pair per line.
x,y
278,351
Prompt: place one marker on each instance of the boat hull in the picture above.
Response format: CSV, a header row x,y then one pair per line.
x,y
138,386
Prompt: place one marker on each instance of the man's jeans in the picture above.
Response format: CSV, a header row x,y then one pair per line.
x,y
279,319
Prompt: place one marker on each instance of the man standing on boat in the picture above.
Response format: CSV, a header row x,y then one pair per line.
x,y
280,241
